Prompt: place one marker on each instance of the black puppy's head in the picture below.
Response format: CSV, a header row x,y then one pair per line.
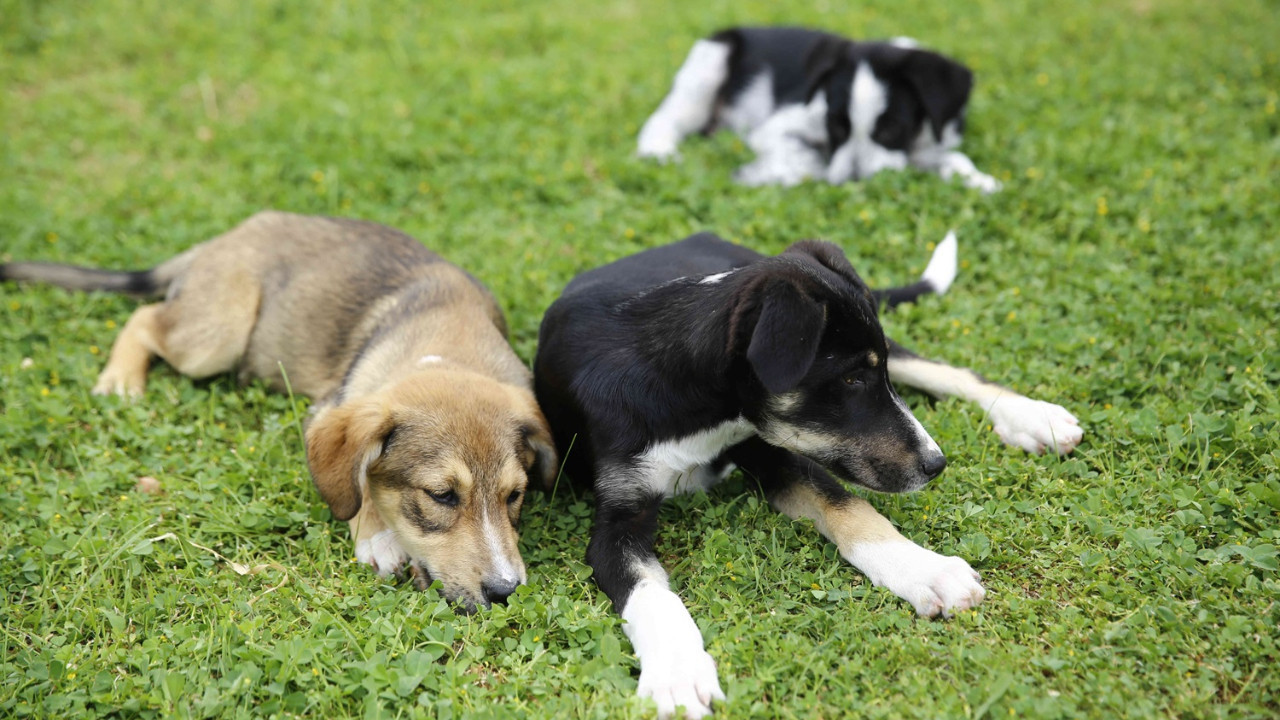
x,y
818,384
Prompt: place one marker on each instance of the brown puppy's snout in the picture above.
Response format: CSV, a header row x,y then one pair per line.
x,y
497,590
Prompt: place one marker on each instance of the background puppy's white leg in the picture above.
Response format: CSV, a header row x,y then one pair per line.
x,y
687,108
1033,425
675,670
956,163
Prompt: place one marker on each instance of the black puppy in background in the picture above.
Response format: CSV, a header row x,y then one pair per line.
x,y
816,105
662,371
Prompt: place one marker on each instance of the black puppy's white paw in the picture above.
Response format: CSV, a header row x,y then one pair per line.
x,y
935,585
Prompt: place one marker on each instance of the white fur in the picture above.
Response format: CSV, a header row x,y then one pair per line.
x,y
688,106
680,465
383,552
942,157
752,107
429,359
865,157
503,568
934,584
785,146
713,279
904,42
941,270
1033,425
675,670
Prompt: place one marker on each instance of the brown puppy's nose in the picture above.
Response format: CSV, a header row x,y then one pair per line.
x,y
498,590
933,465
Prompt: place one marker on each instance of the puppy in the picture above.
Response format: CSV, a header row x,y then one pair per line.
x,y
666,369
816,105
424,428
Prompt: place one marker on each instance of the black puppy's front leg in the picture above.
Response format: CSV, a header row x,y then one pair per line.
x,y
799,488
675,669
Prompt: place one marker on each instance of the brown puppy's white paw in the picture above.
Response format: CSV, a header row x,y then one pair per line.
x,y
383,552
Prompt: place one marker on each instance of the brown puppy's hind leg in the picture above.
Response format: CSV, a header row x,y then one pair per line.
x,y
126,371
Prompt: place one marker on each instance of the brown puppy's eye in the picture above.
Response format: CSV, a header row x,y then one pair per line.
x,y
514,497
448,498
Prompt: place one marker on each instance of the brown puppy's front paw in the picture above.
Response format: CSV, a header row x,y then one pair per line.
x,y
383,552
120,383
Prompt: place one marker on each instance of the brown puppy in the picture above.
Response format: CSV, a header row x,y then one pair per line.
x,y
424,429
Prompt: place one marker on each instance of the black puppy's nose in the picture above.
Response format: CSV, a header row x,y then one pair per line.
x,y
933,465
497,591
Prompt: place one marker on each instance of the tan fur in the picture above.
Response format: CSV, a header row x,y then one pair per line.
x,y
846,524
391,341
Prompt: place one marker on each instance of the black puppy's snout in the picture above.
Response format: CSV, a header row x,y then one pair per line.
x,y
497,591
933,465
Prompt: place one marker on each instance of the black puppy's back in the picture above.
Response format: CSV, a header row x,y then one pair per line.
x,y
696,256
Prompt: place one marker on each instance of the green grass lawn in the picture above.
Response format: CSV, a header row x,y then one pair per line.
x,y
1128,271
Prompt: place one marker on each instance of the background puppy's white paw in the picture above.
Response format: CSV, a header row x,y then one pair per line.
x,y
934,584
983,182
658,144
681,679
1035,426
383,552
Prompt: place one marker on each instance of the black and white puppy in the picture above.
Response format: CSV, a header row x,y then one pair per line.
x,y
816,105
662,371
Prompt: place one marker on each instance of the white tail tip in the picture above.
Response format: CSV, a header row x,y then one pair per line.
x,y
941,270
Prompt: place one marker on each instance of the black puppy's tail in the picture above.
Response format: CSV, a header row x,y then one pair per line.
x,y
936,278
73,277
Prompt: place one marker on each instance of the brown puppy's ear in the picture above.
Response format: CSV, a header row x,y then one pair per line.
x,y
545,465
785,340
942,84
538,441
341,443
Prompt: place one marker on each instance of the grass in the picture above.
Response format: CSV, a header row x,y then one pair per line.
x,y
1127,271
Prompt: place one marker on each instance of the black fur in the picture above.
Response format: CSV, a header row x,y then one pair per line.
x,y
647,349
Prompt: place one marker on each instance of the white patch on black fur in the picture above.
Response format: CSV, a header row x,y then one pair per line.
x,y
752,107
683,464
941,270
861,157
675,670
713,279
787,146
688,106
934,584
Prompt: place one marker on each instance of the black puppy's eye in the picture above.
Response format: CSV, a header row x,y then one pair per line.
x,y
448,497
514,497
854,382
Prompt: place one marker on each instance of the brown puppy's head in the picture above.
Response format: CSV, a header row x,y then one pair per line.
x,y
820,363
444,457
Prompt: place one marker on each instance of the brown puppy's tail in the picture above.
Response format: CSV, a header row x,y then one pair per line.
x,y
935,279
73,277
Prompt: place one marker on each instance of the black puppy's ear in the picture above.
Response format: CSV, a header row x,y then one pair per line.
x,y
785,340
823,60
942,84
